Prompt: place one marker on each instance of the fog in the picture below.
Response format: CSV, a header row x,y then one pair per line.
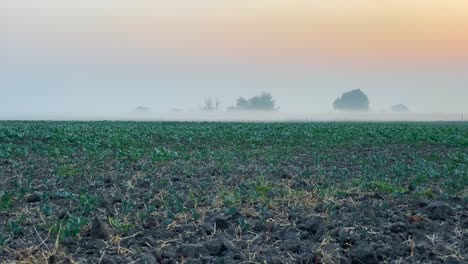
x,y
244,116
92,60
61,91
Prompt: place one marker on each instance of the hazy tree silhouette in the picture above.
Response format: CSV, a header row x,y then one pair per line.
x,y
400,108
262,102
355,100
210,105
242,103
142,109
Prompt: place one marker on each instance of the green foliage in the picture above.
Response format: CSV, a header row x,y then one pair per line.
x,y
87,203
195,214
231,211
46,209
386,187
426,193
6,200
70,227
164,154
174,202
67,170
127,206
73,225
6,151
244,225
117,224
16,226
3,240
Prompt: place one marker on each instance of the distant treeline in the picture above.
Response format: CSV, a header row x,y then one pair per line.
x,y
351,101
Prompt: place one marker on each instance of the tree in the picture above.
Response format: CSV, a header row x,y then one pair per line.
x,y
262,102
400,108
355,100
242,103
142,109
211,106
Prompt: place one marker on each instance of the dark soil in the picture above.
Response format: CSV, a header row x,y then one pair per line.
x,y
361,229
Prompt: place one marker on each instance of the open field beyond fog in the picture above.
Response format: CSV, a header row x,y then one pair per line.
x,y
181,192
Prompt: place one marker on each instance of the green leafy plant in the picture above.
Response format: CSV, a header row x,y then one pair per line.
x,y
68,170
74,225
3,240
6,201
87,203
244,225
16,226
69,227
195,214
117,224
164,154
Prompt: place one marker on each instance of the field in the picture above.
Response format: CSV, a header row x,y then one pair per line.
x,y
168,192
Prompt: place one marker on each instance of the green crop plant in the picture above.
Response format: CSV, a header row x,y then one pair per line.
x,y
230,197
244,225
386,187
128,206
6,151
117,224
69,227
164,154
426,193
16,226
6,201
47,209
146,212
68,170
195,214
3,240
73,225
87,203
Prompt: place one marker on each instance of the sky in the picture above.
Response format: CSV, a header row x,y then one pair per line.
x,y
108,56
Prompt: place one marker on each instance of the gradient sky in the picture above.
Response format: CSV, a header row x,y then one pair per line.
x,y
93,56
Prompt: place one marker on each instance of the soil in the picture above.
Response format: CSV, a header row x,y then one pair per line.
x,y
355,229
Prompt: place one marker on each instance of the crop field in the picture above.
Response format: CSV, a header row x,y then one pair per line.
x,y
175,192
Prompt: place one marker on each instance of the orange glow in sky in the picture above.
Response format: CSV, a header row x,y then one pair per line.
x,y
409,31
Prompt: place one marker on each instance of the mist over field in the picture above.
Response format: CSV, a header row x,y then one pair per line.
x,y
252,116
38,88
101,59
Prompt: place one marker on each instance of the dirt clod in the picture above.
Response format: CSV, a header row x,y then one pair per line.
x,y
216,246
313,224
415,218
221,222
33,198
109,260
146,259
439,211
193,250
398,227
364,254
100,230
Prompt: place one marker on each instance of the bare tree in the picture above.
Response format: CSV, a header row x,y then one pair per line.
x,y
211,106
218,104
